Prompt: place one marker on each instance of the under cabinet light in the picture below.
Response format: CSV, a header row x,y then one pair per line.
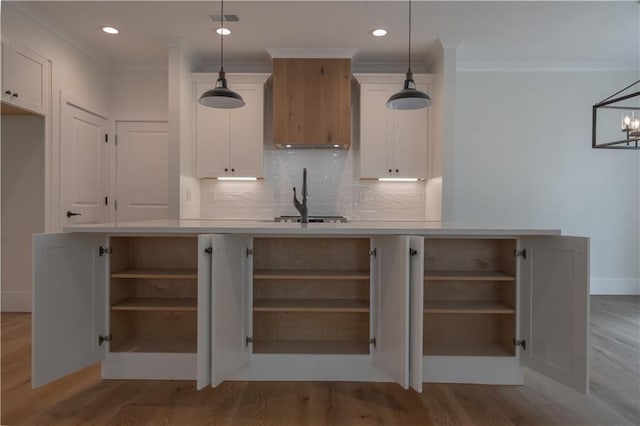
x,y
236,178
397,179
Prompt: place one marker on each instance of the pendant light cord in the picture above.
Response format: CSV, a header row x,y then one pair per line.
x,y
221,35
409,35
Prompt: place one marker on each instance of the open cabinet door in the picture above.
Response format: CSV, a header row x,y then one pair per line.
x,y
204,310
69,304
391,353
416,285
229,350
554,308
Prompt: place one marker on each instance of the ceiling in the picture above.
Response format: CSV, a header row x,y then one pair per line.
x,y
574,33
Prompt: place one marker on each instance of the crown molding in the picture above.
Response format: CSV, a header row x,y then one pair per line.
x,y
544,66
310,53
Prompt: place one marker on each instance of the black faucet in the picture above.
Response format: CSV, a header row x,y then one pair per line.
x,y
302,207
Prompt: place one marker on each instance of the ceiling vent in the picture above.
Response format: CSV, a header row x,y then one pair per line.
x,y
227,17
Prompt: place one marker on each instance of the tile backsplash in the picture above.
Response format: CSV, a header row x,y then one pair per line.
x,y
333,187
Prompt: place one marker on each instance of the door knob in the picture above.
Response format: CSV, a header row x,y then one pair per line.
x,y
70,213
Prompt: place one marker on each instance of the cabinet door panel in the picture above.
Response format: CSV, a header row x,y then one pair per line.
x,y
69,304
376,124
416,278
554,305
28,76
204,311
391,353
229,351
410,141
247,135
212,137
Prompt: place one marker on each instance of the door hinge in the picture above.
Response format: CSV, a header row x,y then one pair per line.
x,y
250,252
248,340
115,205
520,253
372,342
116,140
413,252
106,201
520,342
102,339
106,138
105,250
373,252
208,250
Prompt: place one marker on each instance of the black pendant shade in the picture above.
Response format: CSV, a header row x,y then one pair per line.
x,y
221,96
409,97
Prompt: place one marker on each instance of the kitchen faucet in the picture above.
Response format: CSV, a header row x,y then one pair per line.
x,y
302,207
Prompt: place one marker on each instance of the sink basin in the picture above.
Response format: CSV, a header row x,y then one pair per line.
x,y
312,219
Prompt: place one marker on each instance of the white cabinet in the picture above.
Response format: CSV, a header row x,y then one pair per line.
x,y
25,78
483,308
138,304
229,142
310,309
393,143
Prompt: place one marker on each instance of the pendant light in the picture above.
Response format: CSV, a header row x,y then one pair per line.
x,y
221,96
409,97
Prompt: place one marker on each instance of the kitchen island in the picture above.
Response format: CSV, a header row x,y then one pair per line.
x,y
214,300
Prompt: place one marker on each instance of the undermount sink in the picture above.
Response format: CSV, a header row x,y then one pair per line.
x,y
312,219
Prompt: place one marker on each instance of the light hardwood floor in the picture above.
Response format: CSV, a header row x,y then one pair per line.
x,y
83,398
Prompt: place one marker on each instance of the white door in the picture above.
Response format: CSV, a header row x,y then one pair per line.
x,y
247,132
204,310
554,308
376,127
69,304
83,164
142,163
416,279
410,141
391,353
212,137
229,349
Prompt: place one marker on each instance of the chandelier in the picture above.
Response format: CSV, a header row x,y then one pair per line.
x,y
623,105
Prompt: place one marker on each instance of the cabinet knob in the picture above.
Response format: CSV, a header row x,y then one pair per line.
x,y
226,170
233,170
390,171
8,92
15,95
397,170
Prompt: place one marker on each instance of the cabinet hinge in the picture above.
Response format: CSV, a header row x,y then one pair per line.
x,y
102,339
116,140
413,252
372,342
520,253
115,205
520,342
106,138
250,252
105,250
248,340
208,250
373,252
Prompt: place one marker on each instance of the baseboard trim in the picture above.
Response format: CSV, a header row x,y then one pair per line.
x,y
16,301
615,286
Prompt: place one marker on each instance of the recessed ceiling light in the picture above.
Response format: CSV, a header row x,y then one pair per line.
x,y
223,31
110,30
379,32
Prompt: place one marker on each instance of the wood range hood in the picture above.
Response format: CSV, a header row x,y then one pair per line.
x,y
311,102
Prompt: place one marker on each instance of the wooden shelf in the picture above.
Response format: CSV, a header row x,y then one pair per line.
x,y
466,349
156,304
311,305
468,276
151,345
467,307
173,274
309,274
311,347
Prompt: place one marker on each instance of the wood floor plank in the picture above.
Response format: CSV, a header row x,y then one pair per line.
x,y
84,398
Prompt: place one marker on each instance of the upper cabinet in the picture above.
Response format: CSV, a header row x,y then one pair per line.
x,y
229,142
312,102
393,143
25,78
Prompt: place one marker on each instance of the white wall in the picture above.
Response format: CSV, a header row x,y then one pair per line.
x,y
140,95
22,205
523,158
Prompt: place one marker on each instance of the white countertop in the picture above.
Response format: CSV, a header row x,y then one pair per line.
x,y
257,227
